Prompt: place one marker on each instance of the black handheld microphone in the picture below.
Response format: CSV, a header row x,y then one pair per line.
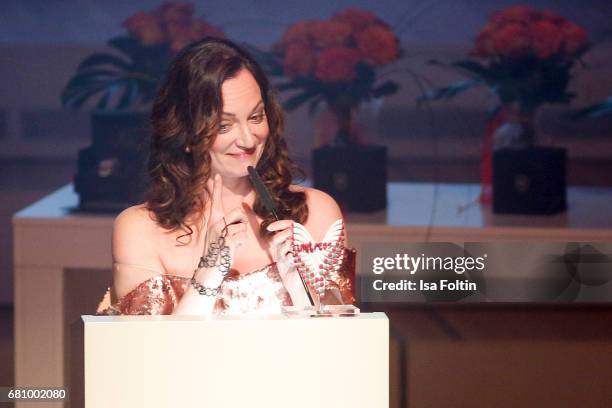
x,y
262,192
270,206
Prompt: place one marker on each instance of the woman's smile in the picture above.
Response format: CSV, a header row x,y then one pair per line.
x,y
244,155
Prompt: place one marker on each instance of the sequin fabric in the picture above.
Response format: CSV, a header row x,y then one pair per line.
x,y
158,295
345,286
258,292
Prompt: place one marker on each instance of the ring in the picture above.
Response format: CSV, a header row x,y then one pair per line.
x,y
224,232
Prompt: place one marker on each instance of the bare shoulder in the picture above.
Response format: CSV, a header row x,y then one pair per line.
x,y
136,217
134,233
323,211
135,248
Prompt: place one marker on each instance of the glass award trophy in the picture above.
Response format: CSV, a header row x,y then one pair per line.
x,y
320,267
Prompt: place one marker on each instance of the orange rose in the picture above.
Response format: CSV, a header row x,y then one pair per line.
x,y
299,59
182,35
484,42
176,12
297,33
575,38
201,29
325,34
146,27
337,64
377,45
357,19
547,39
552,17
515,14
512,40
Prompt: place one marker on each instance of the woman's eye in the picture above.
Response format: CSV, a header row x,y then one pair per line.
x,y
258,117
224,127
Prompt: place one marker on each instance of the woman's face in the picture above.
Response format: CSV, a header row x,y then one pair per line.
x,y
243,129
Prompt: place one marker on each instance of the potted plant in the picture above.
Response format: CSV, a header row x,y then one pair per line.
x,y
121,85
336,62
526,57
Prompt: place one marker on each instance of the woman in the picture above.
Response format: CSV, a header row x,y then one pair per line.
x,y
215,115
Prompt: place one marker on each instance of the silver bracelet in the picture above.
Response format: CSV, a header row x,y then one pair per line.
x,y
203,290
218,252
217,255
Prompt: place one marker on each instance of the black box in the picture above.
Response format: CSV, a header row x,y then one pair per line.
x,y
111,172
109,182
529,181
354,175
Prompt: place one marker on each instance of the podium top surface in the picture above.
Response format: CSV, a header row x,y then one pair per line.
x,y
90,319
409,205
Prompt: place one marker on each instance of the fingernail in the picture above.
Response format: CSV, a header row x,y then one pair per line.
x,y
268,228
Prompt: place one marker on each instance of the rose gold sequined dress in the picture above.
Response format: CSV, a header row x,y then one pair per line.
x,y
260,291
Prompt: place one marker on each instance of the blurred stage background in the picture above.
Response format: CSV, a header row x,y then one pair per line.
x,y
42,42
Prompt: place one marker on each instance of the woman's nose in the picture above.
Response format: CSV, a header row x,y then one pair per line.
x,y
246,138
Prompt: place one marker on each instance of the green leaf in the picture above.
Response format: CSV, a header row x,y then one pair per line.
x,y
76,97
103,102
312,106
69,93
450,91
79,100
596,110
103,59
83,85
83,78
472,67
386,88
125,44
271,63
100,72
297,100
127,97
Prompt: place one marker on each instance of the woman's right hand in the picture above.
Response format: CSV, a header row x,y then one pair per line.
x,y
232,226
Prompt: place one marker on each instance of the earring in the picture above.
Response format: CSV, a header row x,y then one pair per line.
x,y
187,150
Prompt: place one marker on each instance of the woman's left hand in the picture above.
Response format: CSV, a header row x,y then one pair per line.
x,y
281,244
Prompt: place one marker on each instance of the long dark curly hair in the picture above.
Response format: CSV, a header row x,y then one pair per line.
x,y
185,119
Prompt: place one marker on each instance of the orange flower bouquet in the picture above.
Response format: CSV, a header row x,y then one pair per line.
x,y
334,61
129,77
526,57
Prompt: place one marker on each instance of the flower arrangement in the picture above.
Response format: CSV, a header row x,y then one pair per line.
x,y
526,57
129,77
334,61
528,54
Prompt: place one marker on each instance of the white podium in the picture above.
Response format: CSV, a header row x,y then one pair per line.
x,y
272,361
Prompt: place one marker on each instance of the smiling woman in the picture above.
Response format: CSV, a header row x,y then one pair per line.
x,y
202,242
